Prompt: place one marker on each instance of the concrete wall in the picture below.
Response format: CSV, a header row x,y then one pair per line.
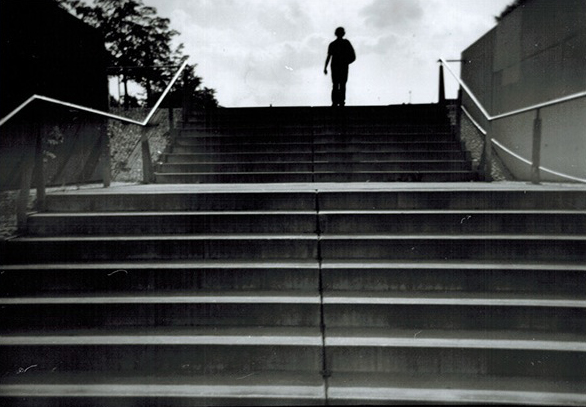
x,y
535,54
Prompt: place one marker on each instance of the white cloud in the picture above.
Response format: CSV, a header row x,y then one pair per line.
x,y
261,52
393,15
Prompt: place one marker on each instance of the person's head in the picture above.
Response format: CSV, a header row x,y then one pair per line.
x,y
340,32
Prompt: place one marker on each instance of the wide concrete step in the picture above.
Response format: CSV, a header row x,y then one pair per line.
x,y
190,199
323,112
456,276
191,137
285,177
328,197
450,247
170,354
335,157
379,115
481,311
454,221
303,166
152,223
441,175
297,147
311,129
157,277
160,247
381,155
160,388
452,388
306,166
480,361
325,122
453,198
354,338
152,310
233,177
198,336
273,148
194,158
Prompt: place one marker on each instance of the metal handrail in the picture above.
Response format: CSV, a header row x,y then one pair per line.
x,y
526,161
537,129
95,111
35,159
552,102
513,112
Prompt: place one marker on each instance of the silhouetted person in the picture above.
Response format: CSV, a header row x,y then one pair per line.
x,y
342,54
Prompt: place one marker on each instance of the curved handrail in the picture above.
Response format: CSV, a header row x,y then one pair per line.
x,y
143,123
474,122
517,156
490,119
526,161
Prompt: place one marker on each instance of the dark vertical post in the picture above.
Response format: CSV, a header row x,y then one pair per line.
x,y
185,96
536,153
26,176
459,108
40,166
171,120
442,86
147,165
487,154
106,161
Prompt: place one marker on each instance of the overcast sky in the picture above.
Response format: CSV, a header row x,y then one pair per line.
x,y
263,52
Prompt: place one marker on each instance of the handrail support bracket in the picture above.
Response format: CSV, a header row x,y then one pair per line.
x,y
536,149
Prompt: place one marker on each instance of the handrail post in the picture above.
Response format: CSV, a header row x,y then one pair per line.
x,y
536,149
487,154
148,175
106,160
171,120
185,96
26,177
40,168
442,86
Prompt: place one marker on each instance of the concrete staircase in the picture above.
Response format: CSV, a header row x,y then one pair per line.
x,y
297,293
354,144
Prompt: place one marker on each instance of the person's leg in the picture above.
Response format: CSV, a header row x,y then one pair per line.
x,y
343,78
337,77
334,94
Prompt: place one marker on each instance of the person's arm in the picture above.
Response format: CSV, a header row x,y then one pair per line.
x,y
327,62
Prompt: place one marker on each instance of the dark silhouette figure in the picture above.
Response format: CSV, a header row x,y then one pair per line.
x,y
342,54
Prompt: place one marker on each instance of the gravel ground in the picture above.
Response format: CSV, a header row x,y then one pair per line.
x,y
474,141
125,143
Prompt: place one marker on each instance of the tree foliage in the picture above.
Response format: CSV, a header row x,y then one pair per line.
x,y
510,8
139,43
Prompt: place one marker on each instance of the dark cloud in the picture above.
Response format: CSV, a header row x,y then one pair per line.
x,y
392,13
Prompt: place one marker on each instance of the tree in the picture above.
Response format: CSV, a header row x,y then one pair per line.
x,y
139,42
510,8
200,98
